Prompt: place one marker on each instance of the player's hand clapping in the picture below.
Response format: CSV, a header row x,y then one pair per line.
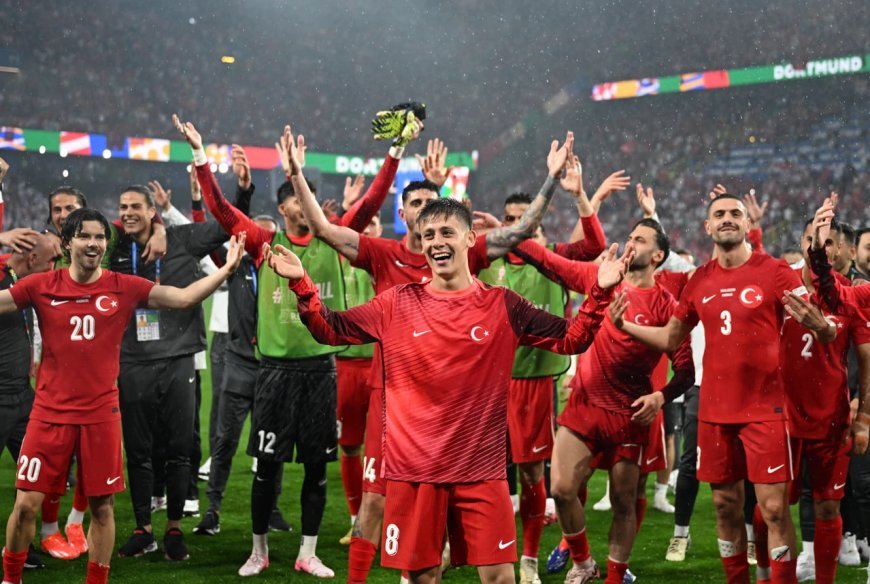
x,y
241,168
559,155
647,200
235,251
284,262
617,181
822,221
292,153
353,189
188,131
434,166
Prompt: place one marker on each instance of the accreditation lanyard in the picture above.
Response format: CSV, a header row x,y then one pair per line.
x,y
135,260
253,272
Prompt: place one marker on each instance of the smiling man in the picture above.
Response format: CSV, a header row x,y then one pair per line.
x,y
83,311
157,378
447,460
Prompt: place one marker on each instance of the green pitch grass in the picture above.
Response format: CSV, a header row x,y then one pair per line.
x,y
217,558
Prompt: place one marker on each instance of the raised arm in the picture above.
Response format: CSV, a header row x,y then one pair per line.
x,y
231,219
587,240
500,241
574,275
181,298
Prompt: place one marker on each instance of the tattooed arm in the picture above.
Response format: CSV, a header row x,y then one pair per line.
x,y
502,240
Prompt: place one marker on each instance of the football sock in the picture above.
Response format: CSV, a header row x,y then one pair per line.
x,y
48,528
13,565
615,571
782,566
80,501
533,506
681,531
263,495
308,547
261,544
735,564
360,558
760,526
579,546
829,535
97,573
313,498
351,478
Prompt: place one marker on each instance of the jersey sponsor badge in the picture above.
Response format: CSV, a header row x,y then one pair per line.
x,y
751,296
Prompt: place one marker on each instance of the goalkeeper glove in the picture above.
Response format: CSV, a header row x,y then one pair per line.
x,y
398,123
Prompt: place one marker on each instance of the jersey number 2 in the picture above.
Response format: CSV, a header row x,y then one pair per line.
x,y
83,328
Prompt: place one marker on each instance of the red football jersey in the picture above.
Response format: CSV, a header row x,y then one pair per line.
x,y
82,326
815,374
447,369
741,310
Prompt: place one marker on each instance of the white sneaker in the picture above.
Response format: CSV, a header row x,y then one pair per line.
x,y
191,508
255,564
863,549
254,466
849,555
158,504
529,571
204,470
603,504
315,567
677,549
660,502
806,567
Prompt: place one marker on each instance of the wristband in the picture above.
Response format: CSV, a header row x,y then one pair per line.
x,y
199,157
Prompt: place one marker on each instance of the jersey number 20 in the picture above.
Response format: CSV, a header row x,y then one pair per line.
x,y
83,328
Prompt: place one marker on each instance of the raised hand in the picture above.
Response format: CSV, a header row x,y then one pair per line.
x,y
805,312
195,190
822,221
235,251
572,181
283,262
20,239
617,181
189,132
329,206
162,197
4,169
241,168
156,246
646,199
435,164
352,191
292,153
612,270
717,191
755,211
558,155
484,222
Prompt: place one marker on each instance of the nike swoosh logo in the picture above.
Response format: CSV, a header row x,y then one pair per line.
x,y
651,460
331,450
503,546
774,469
707,299
537,449
401,265
192,379
112,481
58,302
838,486
421,333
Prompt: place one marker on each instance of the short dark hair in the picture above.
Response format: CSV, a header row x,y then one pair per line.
x,y
142,190
65,190
861,233
518,198
663,242
848,233
445,208
419,185
720,197
73,224
791,249
286,190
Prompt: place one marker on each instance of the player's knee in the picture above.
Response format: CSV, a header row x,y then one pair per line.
x,y
531,473
25,510
773,510
351,451
102,509
501,576
563,491
726,505
622,502
827,510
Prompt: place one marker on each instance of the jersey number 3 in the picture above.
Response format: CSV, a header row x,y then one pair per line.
x,y
83,328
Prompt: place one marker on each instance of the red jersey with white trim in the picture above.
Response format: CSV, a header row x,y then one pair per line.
x,y
815,374
82,326
742,313
447,360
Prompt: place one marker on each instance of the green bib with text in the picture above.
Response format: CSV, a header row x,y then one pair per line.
x,y
529,283
280,332
358,290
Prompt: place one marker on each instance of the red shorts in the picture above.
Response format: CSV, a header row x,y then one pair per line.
x,y
610,436
655,454
478,517
826,461
373,461
353,399
44,460
759,451
530,419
